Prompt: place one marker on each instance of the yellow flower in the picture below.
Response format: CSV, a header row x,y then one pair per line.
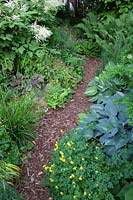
x,y
56,187
51,180
96,158
81,168
74,168
81,178
69,144
61,131
85,194
45,167
62,154
72,176
62,193
71,162
50,170
62,159
83,159
56,146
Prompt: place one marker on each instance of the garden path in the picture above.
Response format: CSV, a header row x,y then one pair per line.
x,y
51,128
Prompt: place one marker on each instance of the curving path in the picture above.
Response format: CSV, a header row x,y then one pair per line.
x,y
51,128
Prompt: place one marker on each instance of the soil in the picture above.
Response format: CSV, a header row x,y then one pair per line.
x,y
51,128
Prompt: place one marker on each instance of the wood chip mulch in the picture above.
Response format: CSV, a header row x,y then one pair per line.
x,y
50,130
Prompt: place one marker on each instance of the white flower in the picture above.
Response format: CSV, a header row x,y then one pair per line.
x,y
129,56
15,17
52,4
11,4
40,32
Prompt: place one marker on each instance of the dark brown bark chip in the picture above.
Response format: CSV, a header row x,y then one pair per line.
x,y
51,126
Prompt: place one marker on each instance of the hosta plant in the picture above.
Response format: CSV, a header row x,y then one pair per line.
x,y
108,123
114,78
80,170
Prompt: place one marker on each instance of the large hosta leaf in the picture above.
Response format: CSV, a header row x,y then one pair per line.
x,y
110,109
91,91
104,126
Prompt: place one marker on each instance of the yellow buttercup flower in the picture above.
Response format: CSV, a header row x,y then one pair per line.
x,y
69,144
96,158
56,146
85,194
62,159
81,178
71,162
62,193
45,167
83,159
72,176
51,180
81,168
56,187
74,168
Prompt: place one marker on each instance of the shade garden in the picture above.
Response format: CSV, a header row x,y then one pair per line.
x,y
48,58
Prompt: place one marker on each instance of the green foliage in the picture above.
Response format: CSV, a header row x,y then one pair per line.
x,y
61,40
8,172
17,116
126,192
22,40
62,80
17,126
8,192
108,123
114,36
128,101
88,48
76,171
57,95
114,78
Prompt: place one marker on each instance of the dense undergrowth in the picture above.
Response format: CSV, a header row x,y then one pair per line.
x,y
40,68
95,160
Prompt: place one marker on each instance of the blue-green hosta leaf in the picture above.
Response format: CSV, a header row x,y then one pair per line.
x,y
99,108
114,121
110,109
93,99
92,82
97,134
123,118
112,133
130,135
91,91
92,117
120,142
104,126
117,96
110,149
85,132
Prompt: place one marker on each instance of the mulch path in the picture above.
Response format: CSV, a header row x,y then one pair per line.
x,y
50,130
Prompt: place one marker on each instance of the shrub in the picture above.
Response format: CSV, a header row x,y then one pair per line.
x,y
108,122
112,35
81,170
114,78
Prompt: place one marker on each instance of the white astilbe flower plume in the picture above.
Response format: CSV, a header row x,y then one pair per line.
x,y
40,32
52,4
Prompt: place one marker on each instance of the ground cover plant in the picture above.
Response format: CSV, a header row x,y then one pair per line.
x,y
76,170
113,78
